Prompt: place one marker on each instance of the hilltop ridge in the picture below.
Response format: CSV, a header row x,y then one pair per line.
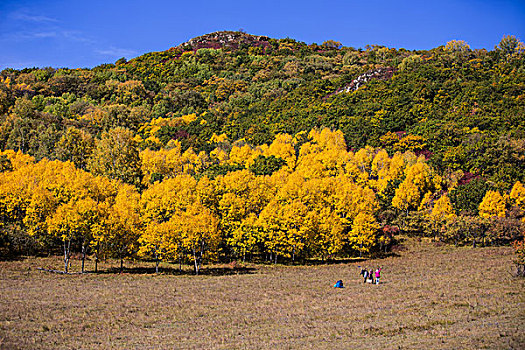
x,y
225,39
461,108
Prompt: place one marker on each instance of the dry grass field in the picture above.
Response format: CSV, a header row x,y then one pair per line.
x,y
430,297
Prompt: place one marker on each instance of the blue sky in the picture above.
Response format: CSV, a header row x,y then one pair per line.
x,y
74,33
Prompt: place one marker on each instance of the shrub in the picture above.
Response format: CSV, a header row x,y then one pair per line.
x,y
519,247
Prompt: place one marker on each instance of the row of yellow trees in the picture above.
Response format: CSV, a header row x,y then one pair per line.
x,y
322,201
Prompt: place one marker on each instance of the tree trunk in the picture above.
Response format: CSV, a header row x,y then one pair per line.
x,y
156,261
83,255
201,257
96,260
196,266
66,255
275,258
121,257
180,263
293,254
65,258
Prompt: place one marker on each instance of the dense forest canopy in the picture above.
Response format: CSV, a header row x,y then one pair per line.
x,y
462,108
283,114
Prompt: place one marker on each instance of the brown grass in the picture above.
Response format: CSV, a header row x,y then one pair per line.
x,y
431,297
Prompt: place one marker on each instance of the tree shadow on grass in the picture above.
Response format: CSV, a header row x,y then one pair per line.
x,y
205,271
386,255
316,262
8,257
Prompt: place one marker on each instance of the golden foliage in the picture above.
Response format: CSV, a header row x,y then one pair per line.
x,y
320,202
493,204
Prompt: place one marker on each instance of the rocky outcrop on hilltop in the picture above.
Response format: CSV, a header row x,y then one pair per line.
x,y
225,40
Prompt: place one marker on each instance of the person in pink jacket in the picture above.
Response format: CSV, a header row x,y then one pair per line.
x,y
378,274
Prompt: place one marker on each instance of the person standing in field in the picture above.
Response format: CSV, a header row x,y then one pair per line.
x,y
370,277
364,273
378,274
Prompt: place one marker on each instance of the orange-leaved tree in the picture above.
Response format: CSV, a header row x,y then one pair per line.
x,y
199,232
124,223
517,195
493,204
363,233
72,221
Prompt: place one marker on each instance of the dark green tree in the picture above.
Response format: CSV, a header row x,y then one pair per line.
x,y
266,165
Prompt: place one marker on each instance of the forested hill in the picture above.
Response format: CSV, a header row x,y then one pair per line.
x,y
463,109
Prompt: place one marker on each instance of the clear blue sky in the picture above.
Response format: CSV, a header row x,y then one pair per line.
x,y
82,33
